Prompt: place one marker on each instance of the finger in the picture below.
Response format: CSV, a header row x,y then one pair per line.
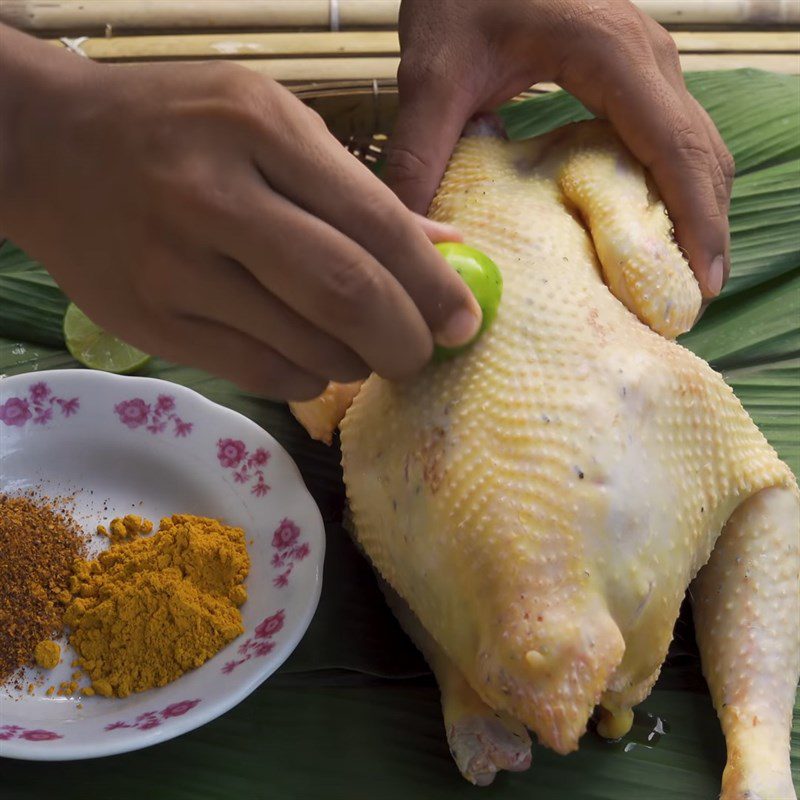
x,y
439,231
725,162
356,203
668,59
662,133
723,169
232,297
328,280
227,353
430,118
720,161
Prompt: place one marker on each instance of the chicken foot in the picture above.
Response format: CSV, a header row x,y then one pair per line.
x,y
482,741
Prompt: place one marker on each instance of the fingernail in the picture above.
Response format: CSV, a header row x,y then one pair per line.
x,y
715,274
461,328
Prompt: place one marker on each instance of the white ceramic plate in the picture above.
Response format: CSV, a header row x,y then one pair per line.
x,y
138,445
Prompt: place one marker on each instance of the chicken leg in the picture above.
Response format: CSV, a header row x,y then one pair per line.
x,y
481,741
746,610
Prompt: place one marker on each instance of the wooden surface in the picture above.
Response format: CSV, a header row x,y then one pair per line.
x,y
358,43
710,34
43,15
290,70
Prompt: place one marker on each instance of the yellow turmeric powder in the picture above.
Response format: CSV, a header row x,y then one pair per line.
x,y
47,654
146,611
128,527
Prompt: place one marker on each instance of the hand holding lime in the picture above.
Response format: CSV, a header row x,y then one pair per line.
x,y
484,280
93,347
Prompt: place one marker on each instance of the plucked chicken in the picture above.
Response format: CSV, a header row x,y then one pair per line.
x,y
539,506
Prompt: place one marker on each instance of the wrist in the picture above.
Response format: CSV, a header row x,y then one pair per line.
x,y
37,80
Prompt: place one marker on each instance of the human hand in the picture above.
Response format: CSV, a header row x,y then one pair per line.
x,y
460,58
204,214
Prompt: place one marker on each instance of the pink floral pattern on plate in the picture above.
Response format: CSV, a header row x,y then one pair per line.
x,y
37,407
155,417
289,550
29,734
152,719
247,467
261,643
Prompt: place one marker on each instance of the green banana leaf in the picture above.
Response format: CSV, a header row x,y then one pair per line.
x,y
756,114
771,393
304,741
353,713
758,327
765,236
31,305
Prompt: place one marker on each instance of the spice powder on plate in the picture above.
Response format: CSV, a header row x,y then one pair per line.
x,y
39,544
147,610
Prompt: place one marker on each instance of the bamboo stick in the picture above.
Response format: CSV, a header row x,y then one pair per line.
x,y
137,14
722,12
216,45
253,45
384,68
125,15
788,64
324,69
389,85
737,41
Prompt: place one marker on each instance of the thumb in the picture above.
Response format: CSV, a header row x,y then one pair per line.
x,y
430,119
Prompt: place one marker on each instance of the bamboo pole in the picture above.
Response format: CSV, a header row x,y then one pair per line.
x,y
722,12
384,68
41,15
789,64
324,69
247,45
737,41
126,15
377,43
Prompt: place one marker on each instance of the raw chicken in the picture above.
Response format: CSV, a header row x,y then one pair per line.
x,y
321,416
539,506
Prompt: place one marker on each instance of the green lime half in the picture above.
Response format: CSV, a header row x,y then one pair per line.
x,y
95,348
484,280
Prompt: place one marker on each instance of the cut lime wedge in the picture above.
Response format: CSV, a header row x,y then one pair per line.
x,y
95,348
